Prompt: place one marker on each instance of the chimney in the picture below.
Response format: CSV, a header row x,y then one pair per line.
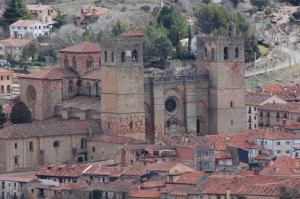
x,y
228,193
90,8
284,121
271,163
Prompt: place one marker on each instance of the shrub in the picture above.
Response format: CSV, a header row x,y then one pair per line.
x,y
145,8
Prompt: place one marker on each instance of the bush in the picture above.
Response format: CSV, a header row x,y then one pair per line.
x,y
123,9
296,14
20,113
145,8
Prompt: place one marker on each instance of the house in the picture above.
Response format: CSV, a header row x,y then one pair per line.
x,y
11,48
43,13
5,81
14,185
90,13
145,194
185,44
163,168
188,178
104,173
283,166
28,29
289,93
254,100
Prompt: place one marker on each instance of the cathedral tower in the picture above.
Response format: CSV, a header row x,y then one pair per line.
x,y
122,82
223,58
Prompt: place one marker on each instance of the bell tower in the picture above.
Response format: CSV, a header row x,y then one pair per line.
x,y
122,97
223,58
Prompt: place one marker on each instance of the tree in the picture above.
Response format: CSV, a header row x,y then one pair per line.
x,y
251,48
235,3
32,49
163,48
119,28
286,193
260,3
206,1
97,194
296,14
20,113
60,20
3,118
15,11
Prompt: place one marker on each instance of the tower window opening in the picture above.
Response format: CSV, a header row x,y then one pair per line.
x,y
212,54
105,56
231,103
205,52
134,56
112,57
131,125
236,52
123,57
226,53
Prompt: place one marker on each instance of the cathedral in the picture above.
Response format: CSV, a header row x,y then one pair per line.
x,y
109,83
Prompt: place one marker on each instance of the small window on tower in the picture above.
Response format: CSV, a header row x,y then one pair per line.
x,y
134,56
205,52
212,54
105,56
131,125
236,52
226,53
231,103
112,57
123,57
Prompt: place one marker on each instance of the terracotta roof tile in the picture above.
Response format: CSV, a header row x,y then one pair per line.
x,y
106,171
286,92
115,139
180,190
85,47
289,107
163,166
135,171
191,177
18,176
66,170
49,129
3,70
15,42
25,23
94,74
78,185
117,185
191,142
154,184
256,98
132,33
145,194
53,73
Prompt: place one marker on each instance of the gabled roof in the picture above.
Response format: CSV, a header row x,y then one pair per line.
x,y
191,177
25,23
256,98
117,185
164,166
85,47
286,92
52,73
18,176
106,171
132,33
38,7
64,170
59,128
145,194
283,166
14,42
289,107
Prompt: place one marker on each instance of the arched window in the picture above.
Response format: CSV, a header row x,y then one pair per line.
x,y
30,146
112,57
236,52
99,62
89,62
105,56
131,125
8,89
123,57
231,103
226,53
230,30
212,53
205,51
82,143
66,62
2,89
134,56
71,86
74,62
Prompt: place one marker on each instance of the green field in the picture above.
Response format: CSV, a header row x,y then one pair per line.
x,y
263,49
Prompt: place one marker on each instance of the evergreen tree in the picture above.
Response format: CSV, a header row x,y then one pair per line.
x,y
60,20
119,28
20,113
15,11
3,118
260,3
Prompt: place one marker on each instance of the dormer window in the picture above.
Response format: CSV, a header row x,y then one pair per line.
x,y
274,169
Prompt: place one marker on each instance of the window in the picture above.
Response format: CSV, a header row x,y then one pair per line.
x,y
105,56
82,144
2,89
74,62
41,193
16,160
16,145
155,153
261,113
30,146
56,144
131,161
1,78
134,56
211,153
278,143
71,86
266,142
94,149
123,57
226,53
231,122
66,62
261,142
288,142
39,27
288,152
254,117
106,195
131,125
249,110
112,57
236,52
231,103
205,52
268,114
278,151
212,54
277,115
254,108
89,62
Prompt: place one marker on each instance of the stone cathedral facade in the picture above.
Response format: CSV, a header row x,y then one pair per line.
x,y
109,83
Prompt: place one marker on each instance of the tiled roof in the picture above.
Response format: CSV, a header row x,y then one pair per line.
x,y
115,139
191,142
3,70
94,74
135,171
85,47
256,98
289,107
82,103
64,170
283,166
180,190
163,166
221,188
191,177
117,185
145,194
38,7
95,11
50,129
153,184
78,185
270,134
18,176
52,73
106,171
287,92
14,42
264,157
132,33
25,23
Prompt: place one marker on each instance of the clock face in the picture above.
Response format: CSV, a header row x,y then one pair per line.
x,y
174,127
31,95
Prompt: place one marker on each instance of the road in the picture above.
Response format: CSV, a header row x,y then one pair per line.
x,y
295,58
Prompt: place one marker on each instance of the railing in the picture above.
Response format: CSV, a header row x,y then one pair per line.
x,y
172,78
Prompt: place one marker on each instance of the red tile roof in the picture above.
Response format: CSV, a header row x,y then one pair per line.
x,y
115,139
256,98
164,166
154,184
180,190
117,185
191,142
59,128
85,47
3,70
191,177
221,188
18,176
52,73
289,107
106,171
64,170
287,92
15,42
78,185
283,166
94,74
145,194
25,23
132,33
135,171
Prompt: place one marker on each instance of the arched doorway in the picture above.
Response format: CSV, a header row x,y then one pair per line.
x,y
80,159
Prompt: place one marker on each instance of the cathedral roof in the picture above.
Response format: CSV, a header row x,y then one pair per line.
x,y
132,33
52,73
45,129
85,47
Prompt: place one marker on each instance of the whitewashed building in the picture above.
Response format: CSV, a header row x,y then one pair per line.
x,y
28,29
